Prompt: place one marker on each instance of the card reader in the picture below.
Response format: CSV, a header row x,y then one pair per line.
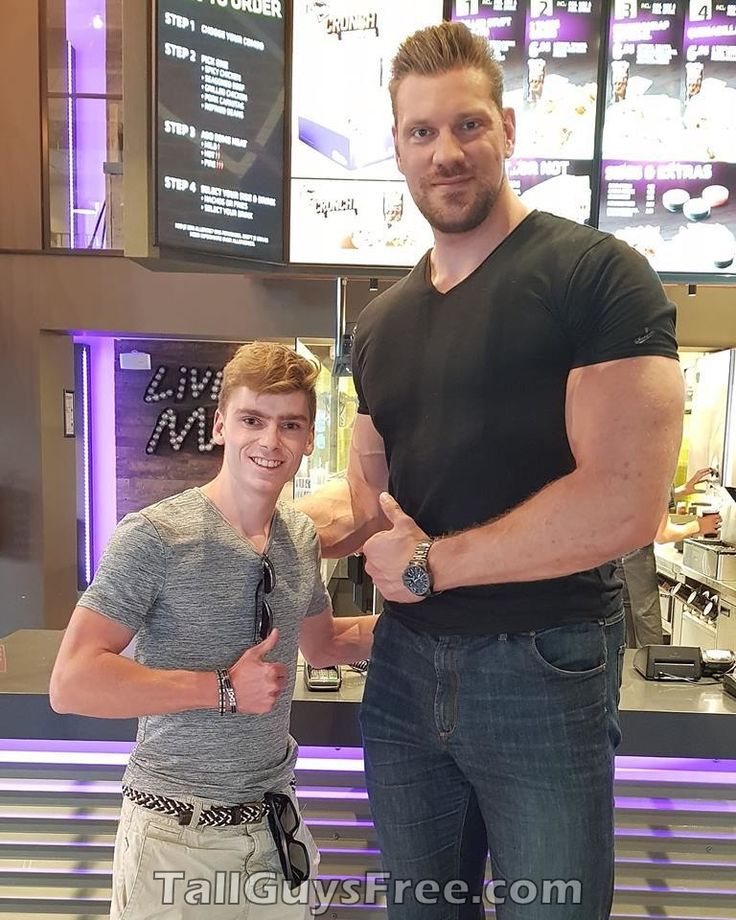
x,y
328,678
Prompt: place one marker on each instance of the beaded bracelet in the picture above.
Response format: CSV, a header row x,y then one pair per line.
x,y
226,693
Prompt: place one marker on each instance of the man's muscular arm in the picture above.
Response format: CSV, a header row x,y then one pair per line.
x,y
624,425
92,678
347,511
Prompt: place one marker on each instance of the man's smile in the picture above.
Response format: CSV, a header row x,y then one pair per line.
x,y
267,464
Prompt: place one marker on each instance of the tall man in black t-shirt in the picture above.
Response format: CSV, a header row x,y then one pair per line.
x,y
521,401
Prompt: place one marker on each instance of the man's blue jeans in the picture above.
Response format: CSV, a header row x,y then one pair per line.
x,y
496,742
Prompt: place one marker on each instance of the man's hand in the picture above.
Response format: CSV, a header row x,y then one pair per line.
x,y
258,683
689,487
388,553
709,523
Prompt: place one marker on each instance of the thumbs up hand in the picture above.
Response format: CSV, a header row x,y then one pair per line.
x,y
388,553
258,683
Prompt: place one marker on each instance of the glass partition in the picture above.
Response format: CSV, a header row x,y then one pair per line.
x,y
82,74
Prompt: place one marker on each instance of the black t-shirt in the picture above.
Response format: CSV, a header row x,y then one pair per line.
x,y
467,390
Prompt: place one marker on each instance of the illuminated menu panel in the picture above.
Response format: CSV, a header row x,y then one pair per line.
x,y
349,203
669,140
220,126
549,53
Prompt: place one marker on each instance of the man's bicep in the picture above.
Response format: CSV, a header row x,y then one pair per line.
x,y
624,422
367,467
90,631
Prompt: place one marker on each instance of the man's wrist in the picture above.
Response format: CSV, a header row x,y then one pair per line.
x,y
204,688
437,562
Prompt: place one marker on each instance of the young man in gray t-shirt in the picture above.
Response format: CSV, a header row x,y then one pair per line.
x,y
219,585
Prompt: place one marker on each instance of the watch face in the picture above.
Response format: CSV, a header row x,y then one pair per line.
x,y
416,579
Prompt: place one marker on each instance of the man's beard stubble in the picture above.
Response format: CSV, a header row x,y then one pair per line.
x,y
472,216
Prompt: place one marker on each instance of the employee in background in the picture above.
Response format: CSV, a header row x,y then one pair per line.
x,y
638,570
522,374
217,584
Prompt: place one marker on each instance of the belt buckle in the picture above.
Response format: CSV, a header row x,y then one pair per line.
x,y
236,814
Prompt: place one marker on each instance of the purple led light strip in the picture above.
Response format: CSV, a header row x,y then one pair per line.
x,y
87,467
71,143
351,758
102,469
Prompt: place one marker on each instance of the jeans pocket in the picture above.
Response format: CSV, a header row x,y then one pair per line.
x,y
577,650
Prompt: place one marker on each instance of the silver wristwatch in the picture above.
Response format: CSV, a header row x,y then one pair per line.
x,y
416,576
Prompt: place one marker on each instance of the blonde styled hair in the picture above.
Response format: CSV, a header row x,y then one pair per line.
x,y
267,367
439,49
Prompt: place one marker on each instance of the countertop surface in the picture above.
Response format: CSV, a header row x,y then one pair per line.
x,y
668,719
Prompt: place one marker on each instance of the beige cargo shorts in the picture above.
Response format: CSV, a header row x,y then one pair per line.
x,y
166,871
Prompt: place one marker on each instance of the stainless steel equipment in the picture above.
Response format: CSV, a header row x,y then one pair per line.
x,y
712,558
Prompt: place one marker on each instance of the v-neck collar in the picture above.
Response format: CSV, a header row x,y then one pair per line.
x,y
427,273
272,524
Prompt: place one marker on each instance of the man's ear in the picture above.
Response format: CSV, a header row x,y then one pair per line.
x,y
310,443
397,155
218,435
509,129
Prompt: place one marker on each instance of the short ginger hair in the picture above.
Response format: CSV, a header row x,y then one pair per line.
x,y
439,49
268,367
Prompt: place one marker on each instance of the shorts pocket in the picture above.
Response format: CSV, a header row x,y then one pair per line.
x,y
138,873
169,873
575,650
304,835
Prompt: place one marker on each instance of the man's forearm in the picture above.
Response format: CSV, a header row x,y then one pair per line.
x,y
671,532
353,638
109,686
343,522
569,526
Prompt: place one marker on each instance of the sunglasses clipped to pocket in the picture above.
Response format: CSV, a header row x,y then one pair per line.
x,y
284,820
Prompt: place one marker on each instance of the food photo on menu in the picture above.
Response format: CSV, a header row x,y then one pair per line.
x,y
676,107
349,203
562,187
681,216
549,53
669,138
372,223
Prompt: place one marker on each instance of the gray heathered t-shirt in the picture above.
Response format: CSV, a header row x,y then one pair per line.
x,y
181,576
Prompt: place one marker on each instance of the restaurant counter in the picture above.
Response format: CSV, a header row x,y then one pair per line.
x,y
658,719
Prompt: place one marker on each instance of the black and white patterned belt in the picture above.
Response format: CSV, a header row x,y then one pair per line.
x,y
214,816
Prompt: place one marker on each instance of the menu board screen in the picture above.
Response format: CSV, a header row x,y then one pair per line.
x,y
549,53
220,126
669,139
349,203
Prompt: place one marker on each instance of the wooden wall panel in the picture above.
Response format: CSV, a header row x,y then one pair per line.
x,y
144,478
20,104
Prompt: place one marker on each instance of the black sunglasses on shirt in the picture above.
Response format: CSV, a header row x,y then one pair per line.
x,y
264,614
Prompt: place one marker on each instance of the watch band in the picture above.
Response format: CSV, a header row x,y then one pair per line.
x,y
421,553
